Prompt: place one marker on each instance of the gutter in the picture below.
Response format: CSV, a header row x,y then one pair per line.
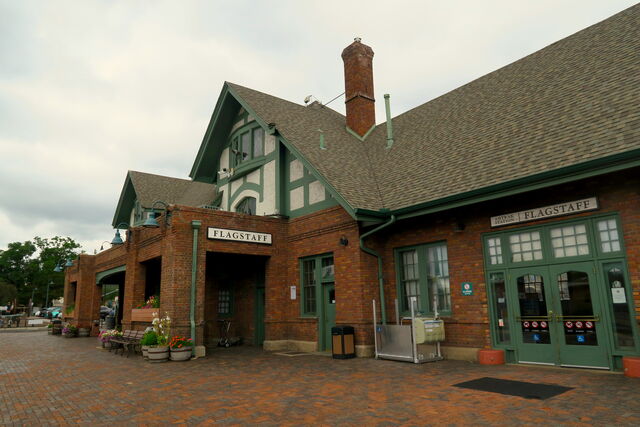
x,y
370,251
195,225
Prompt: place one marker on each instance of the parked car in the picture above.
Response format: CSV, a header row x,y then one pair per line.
x,y
54,312
105,311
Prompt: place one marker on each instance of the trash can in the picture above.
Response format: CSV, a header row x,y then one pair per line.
x,y
343,342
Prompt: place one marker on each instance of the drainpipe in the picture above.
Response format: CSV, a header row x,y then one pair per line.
x,y
195,225
370,251
387,108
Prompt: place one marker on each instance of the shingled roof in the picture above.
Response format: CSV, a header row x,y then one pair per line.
x,y
572,102
150,188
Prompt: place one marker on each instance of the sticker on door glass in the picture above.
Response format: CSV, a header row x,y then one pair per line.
x,y
618,296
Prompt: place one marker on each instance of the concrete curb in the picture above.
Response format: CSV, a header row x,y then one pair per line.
x,y
34,329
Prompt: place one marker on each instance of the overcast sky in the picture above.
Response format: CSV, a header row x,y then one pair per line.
x,y
91,89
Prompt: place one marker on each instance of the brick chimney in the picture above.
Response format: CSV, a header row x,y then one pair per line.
x,y
358,87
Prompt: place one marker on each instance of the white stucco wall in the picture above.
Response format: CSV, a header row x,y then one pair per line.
x,y
254,177
269,188
296,170
269,143
296,198
224,159
316,192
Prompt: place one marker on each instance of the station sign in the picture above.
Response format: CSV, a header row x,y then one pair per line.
x,y
238,235
560,209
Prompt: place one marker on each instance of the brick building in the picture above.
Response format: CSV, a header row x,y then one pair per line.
x,y
522,185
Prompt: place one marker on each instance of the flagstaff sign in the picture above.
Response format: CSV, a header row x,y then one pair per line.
x,y
568,208
238,235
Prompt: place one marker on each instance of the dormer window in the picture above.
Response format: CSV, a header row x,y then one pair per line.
x,y
247,206
247,144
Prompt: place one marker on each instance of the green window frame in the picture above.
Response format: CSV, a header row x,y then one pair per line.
x,y
246,144
422,271
314,272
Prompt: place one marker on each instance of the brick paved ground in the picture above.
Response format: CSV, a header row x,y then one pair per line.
x,y
52,380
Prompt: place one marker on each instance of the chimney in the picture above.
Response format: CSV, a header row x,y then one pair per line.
x,y
358,87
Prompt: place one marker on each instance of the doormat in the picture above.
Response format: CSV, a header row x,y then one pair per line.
x,y
293,353
514,388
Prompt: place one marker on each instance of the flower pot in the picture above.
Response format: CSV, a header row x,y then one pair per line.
x,y
158,353
181,354
145,352
83,332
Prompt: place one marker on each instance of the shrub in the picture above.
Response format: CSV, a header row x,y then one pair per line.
x,y
150,338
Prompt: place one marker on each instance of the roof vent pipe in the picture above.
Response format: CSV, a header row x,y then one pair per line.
x,y
387,107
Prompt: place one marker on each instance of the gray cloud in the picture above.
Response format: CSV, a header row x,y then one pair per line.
x,y
91,89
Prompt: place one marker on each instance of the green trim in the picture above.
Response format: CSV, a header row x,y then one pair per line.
x,y
101,275
126,202
249,166
363,137
245,186
303,182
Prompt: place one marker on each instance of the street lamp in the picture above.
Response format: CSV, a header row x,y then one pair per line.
x,y
46,304
151,219
117,239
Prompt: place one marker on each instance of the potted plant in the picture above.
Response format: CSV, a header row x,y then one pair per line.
x,y
70,330
105,336
50,328
145,312
162,327
69,311
181,348
149,339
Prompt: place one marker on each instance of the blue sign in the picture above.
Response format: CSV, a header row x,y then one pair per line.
x,y
378,328
467,288
536,337
580,338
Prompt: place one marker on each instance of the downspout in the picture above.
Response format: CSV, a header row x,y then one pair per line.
x,y
195,225
370,251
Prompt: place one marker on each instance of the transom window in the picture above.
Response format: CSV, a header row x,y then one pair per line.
x,y
525,246
609,240
495,250
570,240
247,145
247,206
424,274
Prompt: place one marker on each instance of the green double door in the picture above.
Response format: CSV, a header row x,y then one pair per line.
x,y
559,316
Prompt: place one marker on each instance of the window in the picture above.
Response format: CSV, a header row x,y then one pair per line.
x,y
424,274
570,240
525,246
224,302
247,145
608,232
495,250
501,319
315,271
247,206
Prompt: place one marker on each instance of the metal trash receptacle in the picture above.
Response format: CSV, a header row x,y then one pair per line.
x,y
343,342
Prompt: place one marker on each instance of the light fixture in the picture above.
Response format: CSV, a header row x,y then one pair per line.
x,y
459,226
117,239
102,245
62,264
344,241
151,222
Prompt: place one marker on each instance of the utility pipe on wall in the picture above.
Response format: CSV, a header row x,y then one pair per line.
x,y
392,219
195,225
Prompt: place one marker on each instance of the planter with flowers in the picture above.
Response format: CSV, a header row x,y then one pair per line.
x,y
181,348
50,328
145,311
105,337
70,331
149,339
162,328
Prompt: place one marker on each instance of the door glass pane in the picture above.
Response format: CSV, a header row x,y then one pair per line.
x,y
332,296
327,269
533,309
608,232
438,278
500,305
525,247
621,316
577,309
570,240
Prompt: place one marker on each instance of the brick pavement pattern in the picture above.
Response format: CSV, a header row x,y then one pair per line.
x,y
50,380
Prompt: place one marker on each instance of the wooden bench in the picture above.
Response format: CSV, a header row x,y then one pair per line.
x,y
128,341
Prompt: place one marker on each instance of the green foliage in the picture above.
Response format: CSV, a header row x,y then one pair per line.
x,y
7,292
28,267
70,309
149,338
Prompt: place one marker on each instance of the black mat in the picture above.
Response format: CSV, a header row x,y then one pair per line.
x,y
514,388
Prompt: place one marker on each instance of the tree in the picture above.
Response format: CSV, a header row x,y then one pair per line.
x,y
29,267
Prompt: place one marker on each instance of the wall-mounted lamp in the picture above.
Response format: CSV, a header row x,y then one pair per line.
x,y
117,239
102,245
151,219
344,241
62,264
459,226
